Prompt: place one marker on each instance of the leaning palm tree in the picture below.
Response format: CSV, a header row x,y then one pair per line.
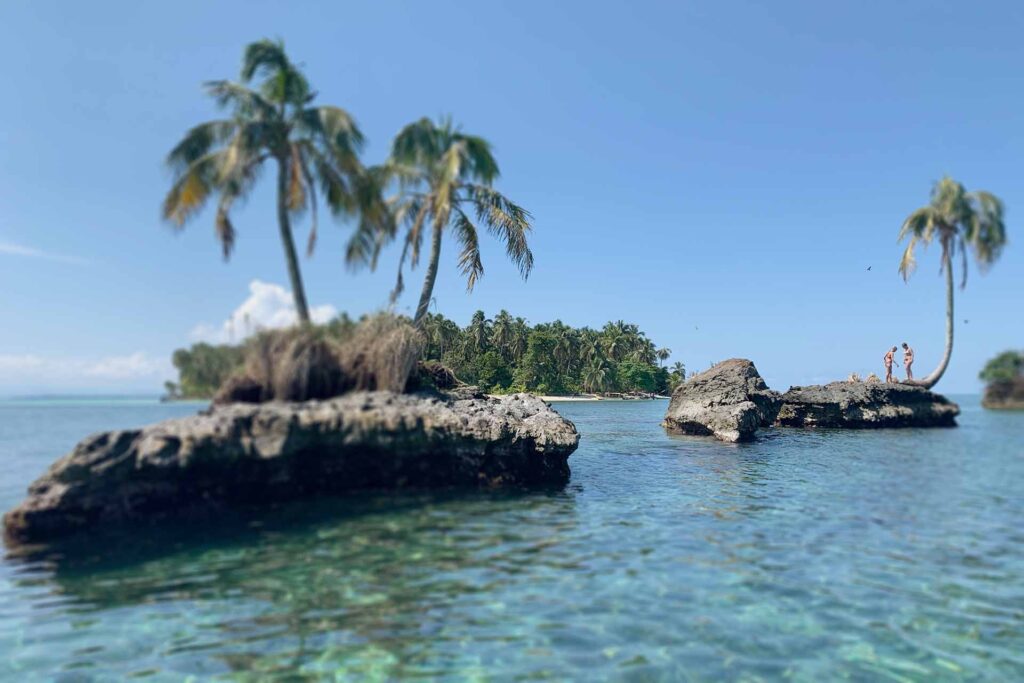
x,y
961,221
273,122
444,174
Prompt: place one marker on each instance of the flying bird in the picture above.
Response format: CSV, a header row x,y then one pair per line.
x,y
869,267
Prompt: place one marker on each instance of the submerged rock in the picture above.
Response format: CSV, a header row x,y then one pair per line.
x,y
244,454
729,401
865,406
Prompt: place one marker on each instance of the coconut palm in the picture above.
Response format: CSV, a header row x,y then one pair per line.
x,y
678,368
444,176
961,221
663,354
274,121
478,333
595,376
501,333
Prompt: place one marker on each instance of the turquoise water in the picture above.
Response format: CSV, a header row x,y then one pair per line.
x,y
891,555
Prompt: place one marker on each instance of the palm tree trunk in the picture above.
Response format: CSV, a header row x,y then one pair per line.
x,y
298,291
428,282
932,379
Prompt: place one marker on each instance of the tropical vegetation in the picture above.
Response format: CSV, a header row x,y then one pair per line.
x,y
502,354
445,179
962,222
274,120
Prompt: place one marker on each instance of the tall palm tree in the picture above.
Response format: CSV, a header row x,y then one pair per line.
x,y
501,333
961,221
478,332
595,376
663,354
274,121
443,174
678,368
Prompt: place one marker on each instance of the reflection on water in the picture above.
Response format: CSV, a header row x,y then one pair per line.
x,y
812,555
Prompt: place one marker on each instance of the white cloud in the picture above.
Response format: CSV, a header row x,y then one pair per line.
x,y
34,370
267,306
11,249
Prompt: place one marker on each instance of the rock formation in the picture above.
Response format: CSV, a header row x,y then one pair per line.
x,y
861,405
729,401
244,454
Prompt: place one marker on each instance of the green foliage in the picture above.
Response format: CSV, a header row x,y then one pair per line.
x,y
1006,367
203,368
506,354
961,221
315,148
445,179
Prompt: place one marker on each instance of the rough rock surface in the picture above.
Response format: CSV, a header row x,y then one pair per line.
x,y
1008,395
729,401
244,454
865,406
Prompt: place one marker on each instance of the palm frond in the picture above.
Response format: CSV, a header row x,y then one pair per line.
x,y
198,141
480,163
470,264
908,264
191,189
334,129
224,229
283,81
505,220
919,224
245,102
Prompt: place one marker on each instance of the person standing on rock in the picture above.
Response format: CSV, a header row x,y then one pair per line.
x,y
888,359
908,360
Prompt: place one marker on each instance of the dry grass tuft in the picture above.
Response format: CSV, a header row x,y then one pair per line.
x,y
307,363
382,353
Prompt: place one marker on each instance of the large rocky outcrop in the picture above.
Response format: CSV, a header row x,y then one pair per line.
x,y
1004,395
244,454
729,401
859,405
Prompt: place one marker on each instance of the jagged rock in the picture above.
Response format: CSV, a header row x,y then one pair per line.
x,y
865,406
244,454
729,401
1005,395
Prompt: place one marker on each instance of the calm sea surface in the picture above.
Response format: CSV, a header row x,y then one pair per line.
x,y
891,555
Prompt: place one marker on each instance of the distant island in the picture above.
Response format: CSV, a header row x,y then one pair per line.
x,y
1004,378
500,356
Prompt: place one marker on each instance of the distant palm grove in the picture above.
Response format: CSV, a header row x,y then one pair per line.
x,y
500,355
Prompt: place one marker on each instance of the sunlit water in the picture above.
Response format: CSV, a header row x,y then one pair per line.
x,y
892,555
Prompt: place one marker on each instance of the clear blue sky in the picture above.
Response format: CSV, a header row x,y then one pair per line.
x,y
721,174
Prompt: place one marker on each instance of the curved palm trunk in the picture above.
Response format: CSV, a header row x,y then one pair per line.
x,y
298,291
932,379
428,282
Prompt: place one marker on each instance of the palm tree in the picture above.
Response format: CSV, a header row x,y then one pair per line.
x,y
678,368
275,121
442,172
595,377
961,221
478,332
501,333
663,354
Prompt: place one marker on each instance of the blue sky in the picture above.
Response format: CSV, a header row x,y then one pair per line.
x,y
721,174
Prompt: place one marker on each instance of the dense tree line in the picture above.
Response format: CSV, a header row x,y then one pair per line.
x,y
1006,367
502,354
507,354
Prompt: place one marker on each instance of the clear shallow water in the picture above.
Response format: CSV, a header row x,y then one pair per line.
x,y
894,555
